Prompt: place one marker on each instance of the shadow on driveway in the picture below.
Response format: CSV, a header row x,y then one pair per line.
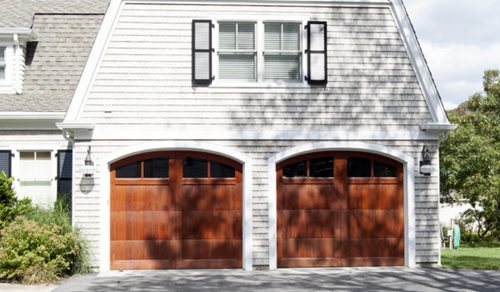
x,y
350,279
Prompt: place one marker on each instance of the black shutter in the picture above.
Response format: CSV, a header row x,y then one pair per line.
x,y
64,172
5,162
317,71
202,52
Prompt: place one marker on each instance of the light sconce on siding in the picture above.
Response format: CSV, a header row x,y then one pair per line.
x,y
425,164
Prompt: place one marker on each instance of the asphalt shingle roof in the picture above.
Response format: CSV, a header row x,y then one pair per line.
x,y
65,31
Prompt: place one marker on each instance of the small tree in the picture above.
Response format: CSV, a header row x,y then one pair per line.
x,y
470,158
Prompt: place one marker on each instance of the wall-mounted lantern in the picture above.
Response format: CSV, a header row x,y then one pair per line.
x,y
88,168
425,164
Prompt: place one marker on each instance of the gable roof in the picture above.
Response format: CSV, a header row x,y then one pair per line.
x,y
402,20
65,31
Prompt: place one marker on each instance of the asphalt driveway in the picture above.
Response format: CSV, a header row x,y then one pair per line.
x,y
344,279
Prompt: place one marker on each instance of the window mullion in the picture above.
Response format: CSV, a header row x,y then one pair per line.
x,y
237,45
260,51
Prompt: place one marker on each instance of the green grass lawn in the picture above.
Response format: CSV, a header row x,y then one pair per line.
x,y
480,258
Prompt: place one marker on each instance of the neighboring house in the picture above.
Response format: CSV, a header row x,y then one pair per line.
x,y
231,134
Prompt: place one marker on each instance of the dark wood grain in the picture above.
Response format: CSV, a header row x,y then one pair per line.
x,y
340,221
176,222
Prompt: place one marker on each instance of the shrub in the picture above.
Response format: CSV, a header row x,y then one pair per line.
x,y
8,200
34,253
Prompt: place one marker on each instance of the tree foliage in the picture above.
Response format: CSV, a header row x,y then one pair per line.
x,y
470,158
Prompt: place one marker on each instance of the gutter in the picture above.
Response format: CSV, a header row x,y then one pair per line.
x,y
24,33
32,115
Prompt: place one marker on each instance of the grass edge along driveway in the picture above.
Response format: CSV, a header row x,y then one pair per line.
x,y
478,258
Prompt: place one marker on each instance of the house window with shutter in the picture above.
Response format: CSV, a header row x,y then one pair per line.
x,y
260,52
317,73
237,51
282,51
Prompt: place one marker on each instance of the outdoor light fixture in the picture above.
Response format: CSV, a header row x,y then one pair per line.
x,y
88,169
425,164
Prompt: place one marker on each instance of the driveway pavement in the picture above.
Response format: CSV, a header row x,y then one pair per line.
x,y
344,279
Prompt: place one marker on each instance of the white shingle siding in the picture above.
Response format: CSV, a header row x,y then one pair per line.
x,y
145,73
87,206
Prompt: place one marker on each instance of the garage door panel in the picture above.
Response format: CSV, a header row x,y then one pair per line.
x,y
145,249
211,197
211,224
211,249
142,264
374,196
375,223
310,223
374,247
309,196
311,248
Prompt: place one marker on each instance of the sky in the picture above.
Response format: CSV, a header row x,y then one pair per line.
x,y
460,40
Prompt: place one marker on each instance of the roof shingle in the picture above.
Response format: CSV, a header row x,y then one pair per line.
x,y
65,31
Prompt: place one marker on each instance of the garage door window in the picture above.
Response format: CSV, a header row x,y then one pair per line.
x,y
314,168
156,168
198,168
362,167
381,169
219,170
132,170
359,167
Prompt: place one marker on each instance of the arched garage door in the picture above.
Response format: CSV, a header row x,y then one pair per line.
x,y
340,209
176,210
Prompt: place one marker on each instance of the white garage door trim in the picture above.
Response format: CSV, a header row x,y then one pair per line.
x,y
104,176
409,188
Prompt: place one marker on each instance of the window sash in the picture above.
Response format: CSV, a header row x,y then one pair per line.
x,y
280,49
232,44
317,58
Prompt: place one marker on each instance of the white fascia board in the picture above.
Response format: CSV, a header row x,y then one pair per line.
x,y
23,33
75,126
419,63
438,127
32,115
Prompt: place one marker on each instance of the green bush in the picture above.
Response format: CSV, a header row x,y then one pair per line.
x,y
36,253
38,245
8,200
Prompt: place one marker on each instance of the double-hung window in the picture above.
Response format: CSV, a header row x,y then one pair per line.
x,y
2,63
282,51
261,51
237,51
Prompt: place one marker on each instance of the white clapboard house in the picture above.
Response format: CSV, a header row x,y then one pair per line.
x,y
226,134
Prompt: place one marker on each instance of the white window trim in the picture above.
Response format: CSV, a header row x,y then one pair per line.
x,y
16,170
259,46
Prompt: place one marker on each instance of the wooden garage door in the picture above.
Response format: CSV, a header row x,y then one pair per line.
x,y
340,209
176,210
